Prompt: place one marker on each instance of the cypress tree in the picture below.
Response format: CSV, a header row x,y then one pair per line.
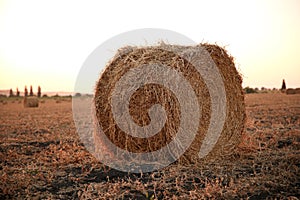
x,y
18,93
11,93
283,86
25,91
31,92
39,93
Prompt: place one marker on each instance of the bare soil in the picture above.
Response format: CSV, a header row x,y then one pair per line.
x,y
41,157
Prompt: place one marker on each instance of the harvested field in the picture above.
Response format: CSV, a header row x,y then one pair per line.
x,y
41,157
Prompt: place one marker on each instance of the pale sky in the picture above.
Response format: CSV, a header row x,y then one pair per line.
x,y
46,42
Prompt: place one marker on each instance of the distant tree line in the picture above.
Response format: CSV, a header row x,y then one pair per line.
x,y
249,90
17,94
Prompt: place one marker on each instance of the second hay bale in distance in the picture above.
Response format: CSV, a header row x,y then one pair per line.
x,y
31,102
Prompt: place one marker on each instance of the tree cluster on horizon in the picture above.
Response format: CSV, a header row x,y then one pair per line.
x,y
31,93
249,90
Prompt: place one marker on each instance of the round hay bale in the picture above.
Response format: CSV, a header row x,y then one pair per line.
x,y
290,91
297,90
147,95
30,102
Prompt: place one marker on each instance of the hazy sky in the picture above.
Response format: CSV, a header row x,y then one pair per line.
x,y
46,42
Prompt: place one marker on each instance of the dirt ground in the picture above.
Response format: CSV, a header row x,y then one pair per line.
x,y
41,157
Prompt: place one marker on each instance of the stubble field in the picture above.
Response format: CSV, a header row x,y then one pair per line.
x,y
42,157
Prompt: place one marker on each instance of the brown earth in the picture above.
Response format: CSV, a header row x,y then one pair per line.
x,y
41,157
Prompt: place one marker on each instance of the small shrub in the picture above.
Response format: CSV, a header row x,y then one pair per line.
x,y
249,90
290,91
78,95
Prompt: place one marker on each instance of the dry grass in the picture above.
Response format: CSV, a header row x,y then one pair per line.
x,y
41,157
